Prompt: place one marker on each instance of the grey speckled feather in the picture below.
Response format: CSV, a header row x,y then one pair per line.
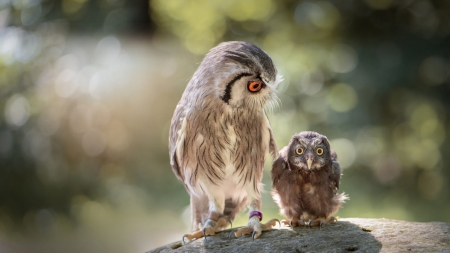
x,y
220,134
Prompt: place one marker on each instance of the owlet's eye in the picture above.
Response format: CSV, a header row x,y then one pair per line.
x,y
319,151
299,151
255,86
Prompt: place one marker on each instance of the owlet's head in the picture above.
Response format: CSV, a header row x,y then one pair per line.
x,y
309,151
239,74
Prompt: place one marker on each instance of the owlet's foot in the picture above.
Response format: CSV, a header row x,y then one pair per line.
x,y
318,222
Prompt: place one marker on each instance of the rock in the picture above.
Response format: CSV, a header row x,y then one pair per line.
x,y
346,235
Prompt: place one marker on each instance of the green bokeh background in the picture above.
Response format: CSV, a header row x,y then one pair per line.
x,y
88,88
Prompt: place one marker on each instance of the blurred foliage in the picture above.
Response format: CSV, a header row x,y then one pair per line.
x,y
88,88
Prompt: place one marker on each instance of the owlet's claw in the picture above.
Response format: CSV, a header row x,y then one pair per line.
x,y
319,222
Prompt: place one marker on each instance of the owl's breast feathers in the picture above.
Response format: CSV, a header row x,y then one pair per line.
x,y
212,145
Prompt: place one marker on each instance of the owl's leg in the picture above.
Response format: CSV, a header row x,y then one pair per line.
x,y
254,225
214,221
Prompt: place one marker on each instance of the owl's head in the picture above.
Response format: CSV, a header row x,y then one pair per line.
x,y
309,151
240,74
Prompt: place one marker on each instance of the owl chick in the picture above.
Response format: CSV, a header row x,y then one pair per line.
x,y
306,179
220,136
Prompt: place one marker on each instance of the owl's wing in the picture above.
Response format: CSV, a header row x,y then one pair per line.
x,y
335,169
279,166
273,150
176,141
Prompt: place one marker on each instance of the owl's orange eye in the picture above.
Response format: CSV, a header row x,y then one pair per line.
x,y
299,151
319,151
255,86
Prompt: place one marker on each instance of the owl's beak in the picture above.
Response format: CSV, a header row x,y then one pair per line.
x,y
309,160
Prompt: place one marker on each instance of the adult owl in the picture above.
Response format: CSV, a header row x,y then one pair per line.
x,y
306,179
220,136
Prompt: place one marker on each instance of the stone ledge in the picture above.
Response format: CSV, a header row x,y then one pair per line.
x,y
346,235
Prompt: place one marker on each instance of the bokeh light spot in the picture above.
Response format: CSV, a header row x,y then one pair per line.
x,y
29,15
316,104
100,84
342,59
65,83
310,83
117,136
31,44
93,143
107,50
434,70
369,144
17,110
45,220
250,10
386,168
426,154
80,119
345,150
317,14
342,97
72,6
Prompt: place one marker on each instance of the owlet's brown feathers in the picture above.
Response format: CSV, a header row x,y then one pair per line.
x,y
306,180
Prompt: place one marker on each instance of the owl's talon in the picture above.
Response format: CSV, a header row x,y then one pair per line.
x,y
204,233
231,233
195,235
253,235
285,222
270,224
279,223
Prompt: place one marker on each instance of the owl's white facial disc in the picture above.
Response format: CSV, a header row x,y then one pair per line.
x,y
250,90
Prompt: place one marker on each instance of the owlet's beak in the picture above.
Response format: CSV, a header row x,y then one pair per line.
x,y
309,160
